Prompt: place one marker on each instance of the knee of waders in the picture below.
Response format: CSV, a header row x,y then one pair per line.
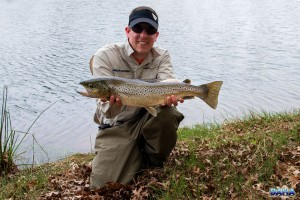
x,y
169,115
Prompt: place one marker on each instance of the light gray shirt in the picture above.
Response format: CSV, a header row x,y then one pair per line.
x,y
117,60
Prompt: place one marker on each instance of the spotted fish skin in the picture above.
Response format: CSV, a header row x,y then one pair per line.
x,y
133,92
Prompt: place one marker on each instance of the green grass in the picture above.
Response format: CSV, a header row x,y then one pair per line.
x,y
228,161
10,141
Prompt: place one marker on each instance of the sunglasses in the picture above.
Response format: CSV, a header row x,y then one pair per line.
x,y
150,30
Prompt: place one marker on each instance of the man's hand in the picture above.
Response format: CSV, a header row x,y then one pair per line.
x,y
173,100
113,100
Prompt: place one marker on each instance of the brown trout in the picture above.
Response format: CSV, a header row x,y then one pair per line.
x,y
133,92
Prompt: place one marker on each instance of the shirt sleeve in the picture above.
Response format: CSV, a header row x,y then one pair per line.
x,y
102,67
165,70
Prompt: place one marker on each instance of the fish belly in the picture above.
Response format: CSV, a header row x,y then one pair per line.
x,y
142,100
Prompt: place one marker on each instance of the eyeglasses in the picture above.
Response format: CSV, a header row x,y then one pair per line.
x,y
150,30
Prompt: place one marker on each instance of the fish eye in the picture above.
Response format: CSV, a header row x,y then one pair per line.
x,y
90,85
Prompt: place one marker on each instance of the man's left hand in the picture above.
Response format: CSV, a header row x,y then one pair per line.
x,y
172,100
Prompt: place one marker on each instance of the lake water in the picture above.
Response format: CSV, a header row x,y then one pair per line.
x,y
45,46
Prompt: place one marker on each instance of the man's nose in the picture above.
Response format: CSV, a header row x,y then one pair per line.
x,y
143,33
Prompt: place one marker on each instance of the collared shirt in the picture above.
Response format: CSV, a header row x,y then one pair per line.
x,y
117,60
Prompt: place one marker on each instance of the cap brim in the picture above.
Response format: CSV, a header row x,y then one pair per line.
x,y
146,20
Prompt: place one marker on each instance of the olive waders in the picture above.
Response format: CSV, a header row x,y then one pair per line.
x,y
144,141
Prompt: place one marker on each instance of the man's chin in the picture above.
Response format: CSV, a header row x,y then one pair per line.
x,y
143,50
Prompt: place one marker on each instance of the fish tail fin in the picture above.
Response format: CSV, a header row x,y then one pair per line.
x,y
211,93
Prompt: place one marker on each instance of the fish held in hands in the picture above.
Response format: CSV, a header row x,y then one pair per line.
x,y
133,92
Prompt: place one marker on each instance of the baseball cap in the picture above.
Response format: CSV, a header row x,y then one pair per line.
x,y
143,14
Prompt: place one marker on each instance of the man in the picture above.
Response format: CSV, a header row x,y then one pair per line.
x,y
130,138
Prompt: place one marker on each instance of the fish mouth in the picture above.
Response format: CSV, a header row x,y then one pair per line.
x,y
83,93
89,92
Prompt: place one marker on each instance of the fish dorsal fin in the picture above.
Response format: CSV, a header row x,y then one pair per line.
x,y
187,81
152,110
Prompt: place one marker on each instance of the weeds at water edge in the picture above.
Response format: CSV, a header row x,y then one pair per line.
x,y
10,140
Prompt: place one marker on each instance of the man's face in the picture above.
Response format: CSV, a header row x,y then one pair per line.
x,y
141,42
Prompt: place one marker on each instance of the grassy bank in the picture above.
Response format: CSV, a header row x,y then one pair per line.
x,y
240,159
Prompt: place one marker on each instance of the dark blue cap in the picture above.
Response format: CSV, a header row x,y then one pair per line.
x,y
143,14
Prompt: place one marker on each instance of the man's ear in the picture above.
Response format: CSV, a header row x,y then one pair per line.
x,y
156,36
127,31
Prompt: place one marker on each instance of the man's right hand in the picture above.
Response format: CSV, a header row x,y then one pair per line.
x,y
113,100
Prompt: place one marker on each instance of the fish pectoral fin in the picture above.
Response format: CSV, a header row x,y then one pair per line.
x,y
188,97
152,110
